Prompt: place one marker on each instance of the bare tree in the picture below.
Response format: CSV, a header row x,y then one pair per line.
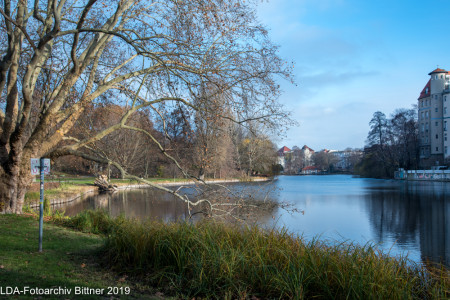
x,y
259,154
324,160
392,143
59,57
295,161
405,138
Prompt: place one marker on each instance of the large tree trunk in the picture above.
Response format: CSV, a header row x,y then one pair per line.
x,y
8,192
13,188
15,179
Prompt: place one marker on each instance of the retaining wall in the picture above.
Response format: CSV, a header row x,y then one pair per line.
x,y
428,175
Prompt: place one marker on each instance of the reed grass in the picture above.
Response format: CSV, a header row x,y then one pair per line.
x,y
216,260
90,221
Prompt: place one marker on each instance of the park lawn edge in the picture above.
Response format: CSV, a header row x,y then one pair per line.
x,y
69,259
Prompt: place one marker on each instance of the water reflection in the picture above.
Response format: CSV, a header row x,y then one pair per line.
x,y
414,215
400,217
136,203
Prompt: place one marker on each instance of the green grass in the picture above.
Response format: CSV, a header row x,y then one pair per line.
x,y
69,259
224,261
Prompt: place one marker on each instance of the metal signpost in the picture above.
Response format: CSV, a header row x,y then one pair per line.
x,y
40,167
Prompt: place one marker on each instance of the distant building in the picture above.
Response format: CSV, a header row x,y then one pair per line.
x,y
347,159
308,153
310,170
282,155
434,116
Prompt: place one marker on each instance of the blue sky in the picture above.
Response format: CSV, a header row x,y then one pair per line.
x,y
352,58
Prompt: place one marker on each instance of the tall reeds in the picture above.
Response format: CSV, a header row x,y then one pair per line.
x,y
215,260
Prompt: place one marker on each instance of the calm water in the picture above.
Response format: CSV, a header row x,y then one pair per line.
x,y
403,218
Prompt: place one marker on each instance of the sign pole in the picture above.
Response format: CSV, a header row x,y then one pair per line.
x,y
41,203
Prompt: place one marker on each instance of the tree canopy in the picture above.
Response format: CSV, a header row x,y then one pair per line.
x,y
58,58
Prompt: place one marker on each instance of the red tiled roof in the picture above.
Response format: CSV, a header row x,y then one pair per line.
x,y
423,94
306,147
310,168
438,70
284,149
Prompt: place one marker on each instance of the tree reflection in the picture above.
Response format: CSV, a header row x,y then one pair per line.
x,y
415,214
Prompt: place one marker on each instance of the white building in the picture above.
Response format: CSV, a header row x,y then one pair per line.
x,y
282,155
434,116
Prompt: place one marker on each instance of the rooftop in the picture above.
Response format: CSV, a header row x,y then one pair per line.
x,y
426,90
306,147
438,70
284,149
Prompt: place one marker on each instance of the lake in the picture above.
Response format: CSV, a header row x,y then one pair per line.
x,y
402,218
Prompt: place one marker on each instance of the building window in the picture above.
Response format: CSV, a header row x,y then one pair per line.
x,y
426,90
437,136
445,98
436,109
442,76
437,123
445,110
426,114
437,148
445,125
435,77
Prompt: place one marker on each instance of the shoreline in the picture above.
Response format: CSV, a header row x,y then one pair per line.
x,y
94,189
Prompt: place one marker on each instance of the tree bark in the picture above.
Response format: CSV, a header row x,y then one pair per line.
x,y
14,183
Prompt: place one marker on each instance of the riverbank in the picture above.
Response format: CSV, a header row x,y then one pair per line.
x,y
207,260
60,192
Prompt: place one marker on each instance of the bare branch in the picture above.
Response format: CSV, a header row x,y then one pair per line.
x,y
8,18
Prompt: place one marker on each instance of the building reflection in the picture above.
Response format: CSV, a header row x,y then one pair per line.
x,y
414,214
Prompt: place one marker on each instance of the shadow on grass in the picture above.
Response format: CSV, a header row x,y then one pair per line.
x,y
68,259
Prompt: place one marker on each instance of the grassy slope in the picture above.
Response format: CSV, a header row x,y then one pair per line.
x,y
66,261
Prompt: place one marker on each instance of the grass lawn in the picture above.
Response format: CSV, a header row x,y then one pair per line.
x,y
67,261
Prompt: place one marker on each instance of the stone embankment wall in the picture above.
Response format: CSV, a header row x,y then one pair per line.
x,y
426,175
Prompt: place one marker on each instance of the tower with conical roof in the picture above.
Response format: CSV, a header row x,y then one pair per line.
x,y
434,115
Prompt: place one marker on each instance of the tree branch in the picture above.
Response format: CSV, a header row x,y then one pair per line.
x,y
7,18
